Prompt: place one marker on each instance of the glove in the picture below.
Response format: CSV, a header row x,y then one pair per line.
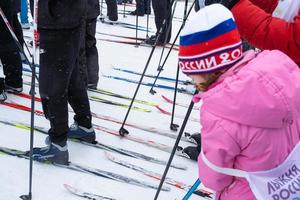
x,y
192,152
227,3
197,7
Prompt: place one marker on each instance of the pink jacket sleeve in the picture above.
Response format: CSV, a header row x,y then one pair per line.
x,y
220,148
266,32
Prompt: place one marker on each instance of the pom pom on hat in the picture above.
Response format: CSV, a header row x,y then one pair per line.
x,y
209,41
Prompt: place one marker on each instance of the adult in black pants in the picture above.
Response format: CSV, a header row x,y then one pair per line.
x,y
162,12
62,79
112,10
142,7
91,52
9,52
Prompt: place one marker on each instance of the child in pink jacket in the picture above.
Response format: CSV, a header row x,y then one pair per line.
x,y
251,106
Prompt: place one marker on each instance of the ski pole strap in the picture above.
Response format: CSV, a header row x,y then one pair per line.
x,y
192,190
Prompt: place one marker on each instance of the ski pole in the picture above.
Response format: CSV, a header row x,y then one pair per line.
x,y
148,9
136,25
122,130
124,16
175,147
27,48
101,7
160,68
191,190
167,35
173,126
35,59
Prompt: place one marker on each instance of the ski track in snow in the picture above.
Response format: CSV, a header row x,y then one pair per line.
x,y
48,180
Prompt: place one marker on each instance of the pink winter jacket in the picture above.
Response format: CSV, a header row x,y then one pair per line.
x,y
250,120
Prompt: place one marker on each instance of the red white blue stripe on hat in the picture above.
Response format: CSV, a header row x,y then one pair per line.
x,y
206,35
209,41
224,40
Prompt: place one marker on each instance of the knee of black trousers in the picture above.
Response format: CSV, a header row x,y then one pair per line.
x,y
55,109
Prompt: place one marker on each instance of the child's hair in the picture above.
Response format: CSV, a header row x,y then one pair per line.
x,y
211,78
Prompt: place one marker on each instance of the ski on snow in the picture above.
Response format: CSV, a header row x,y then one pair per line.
x,y
180,89
99,145
178,104
102,19
121,36
126,25
109,93
150,143
149,129
131,42
128,37
86,195
156,176
107,118
100,100
178,116
152,76
85,169
114,103
136,126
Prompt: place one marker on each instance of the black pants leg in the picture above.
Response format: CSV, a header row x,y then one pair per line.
x,y
31,2
9,52
162,11
12,67
140,7
18,29
147,7
61,80
91,52
112,9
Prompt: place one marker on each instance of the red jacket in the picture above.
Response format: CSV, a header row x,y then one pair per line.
x,y
257,26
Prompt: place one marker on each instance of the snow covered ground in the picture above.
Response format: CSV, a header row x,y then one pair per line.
x,y
48,180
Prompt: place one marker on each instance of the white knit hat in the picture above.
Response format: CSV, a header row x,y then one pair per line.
x,y
209,41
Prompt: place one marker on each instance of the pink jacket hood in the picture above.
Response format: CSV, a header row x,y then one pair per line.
x,y
251,92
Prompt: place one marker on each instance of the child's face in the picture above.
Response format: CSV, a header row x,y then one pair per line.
x,y
198,79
